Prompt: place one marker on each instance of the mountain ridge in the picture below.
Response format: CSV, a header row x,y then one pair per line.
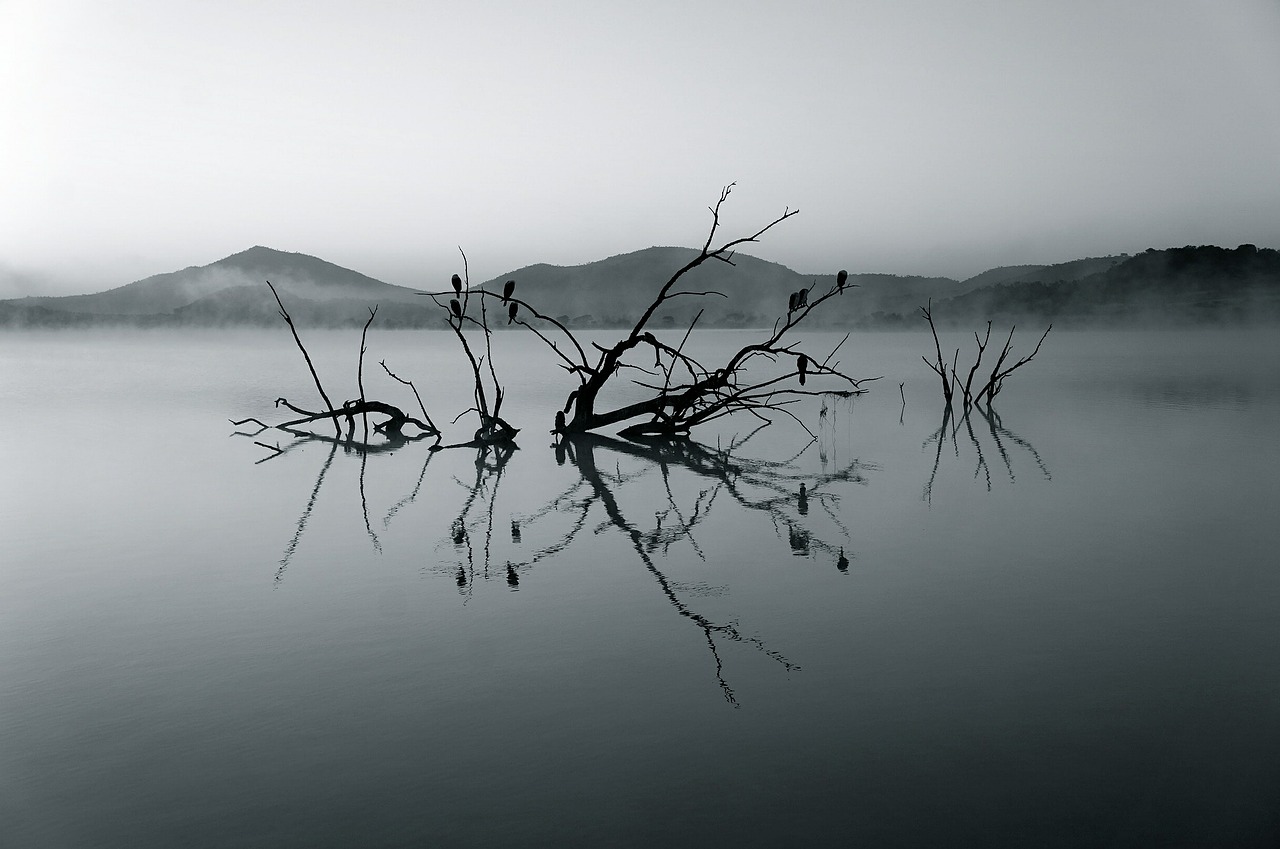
x,y
1196,282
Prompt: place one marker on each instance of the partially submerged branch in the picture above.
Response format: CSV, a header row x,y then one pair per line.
x,y
705,393
393,418
493,428
950,375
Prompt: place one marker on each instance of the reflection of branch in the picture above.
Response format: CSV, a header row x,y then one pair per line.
x,y
997,427
584,455
306,514
1001,438
490,461
408,499
787,494
364,505
348,444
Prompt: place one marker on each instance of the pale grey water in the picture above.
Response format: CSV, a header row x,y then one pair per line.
x,y
1077,647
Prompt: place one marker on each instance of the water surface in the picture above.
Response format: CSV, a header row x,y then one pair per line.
x,y
1056,626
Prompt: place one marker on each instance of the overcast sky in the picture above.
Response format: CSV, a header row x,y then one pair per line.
x,y
927,137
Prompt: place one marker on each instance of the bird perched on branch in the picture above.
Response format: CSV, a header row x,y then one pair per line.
x,y
457,284
511,312
507,290
802,298
842,277
455,307
802,365
791,303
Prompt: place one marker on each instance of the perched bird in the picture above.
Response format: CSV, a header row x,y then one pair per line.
x,y
507,290
559,421
842,277
791,303
455,307
802,365
511,312
802,298
457,284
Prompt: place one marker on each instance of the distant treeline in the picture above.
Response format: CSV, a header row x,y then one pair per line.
x,y
1179,285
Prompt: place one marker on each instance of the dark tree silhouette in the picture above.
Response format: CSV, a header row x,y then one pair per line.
x,y
393,421
684,392
950,376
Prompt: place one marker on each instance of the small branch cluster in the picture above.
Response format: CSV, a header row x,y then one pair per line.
x,y
393,420
949,374
493,428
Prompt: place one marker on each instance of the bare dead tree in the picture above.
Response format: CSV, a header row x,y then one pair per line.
x,y
284,313
493,428
939,365
685,393
393,418
950,376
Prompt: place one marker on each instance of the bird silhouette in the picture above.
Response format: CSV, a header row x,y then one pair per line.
x,y
511,312
455,307
507,290
802,365
842,277
457,284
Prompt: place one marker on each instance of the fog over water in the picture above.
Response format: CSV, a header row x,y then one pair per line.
x,y
1051,626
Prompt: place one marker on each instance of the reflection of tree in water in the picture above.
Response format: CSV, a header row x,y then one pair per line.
x,y
349,445
780,490
483,491
776,489
1004,442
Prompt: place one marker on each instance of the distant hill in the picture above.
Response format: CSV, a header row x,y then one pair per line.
x,y
208,293
615,291
1178,284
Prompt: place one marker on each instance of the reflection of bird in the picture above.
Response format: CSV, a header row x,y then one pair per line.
x,y
511,312
513,580
457,284
507,290
843,563
803,501
802,365
455,307
515,530
842,277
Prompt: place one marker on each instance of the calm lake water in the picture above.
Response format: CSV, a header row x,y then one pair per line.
x,y
1060,627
